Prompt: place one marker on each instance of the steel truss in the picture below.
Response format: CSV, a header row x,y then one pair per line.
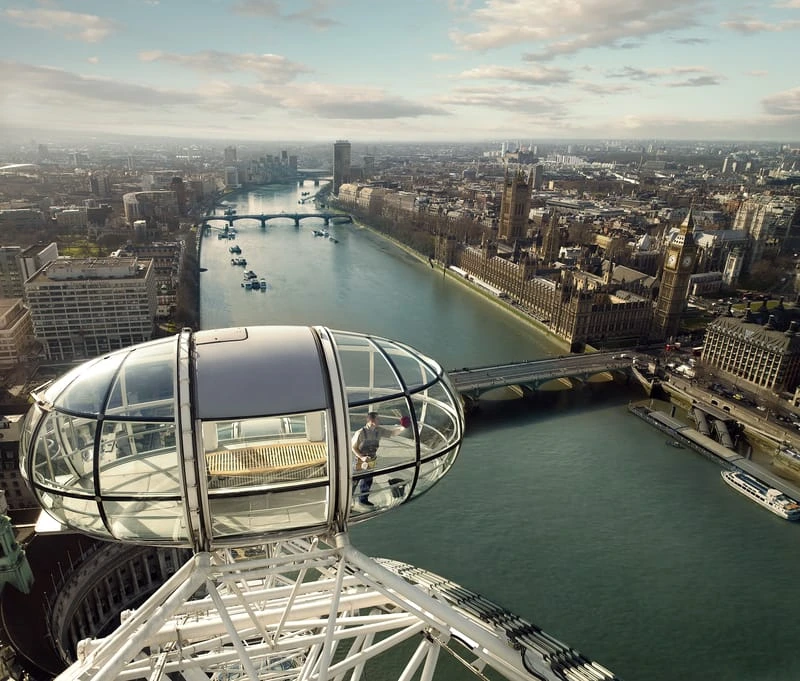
x,y
316,610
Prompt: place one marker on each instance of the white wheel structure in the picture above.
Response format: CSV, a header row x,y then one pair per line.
x,y
314,609
236,444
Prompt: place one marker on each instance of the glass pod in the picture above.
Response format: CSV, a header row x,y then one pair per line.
x,y
231,436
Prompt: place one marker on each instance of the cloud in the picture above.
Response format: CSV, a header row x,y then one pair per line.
x,y
535,75
271,9
692,41
443,57
750,25
757,73
602,89
698,127
529,104
559,28
791,4
785,103
88,28
93,60
271,68
696,81
635,73
40,90
354,103
47,81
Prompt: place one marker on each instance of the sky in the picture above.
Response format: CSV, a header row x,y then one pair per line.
x,y
412,70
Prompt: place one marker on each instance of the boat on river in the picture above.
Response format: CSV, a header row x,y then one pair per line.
x,y
764,495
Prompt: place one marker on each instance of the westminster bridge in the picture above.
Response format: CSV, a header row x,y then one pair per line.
x,y
531,375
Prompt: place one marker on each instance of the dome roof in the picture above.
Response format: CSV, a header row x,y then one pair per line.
x,y
227,436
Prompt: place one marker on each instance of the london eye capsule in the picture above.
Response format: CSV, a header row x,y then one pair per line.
x,y
231,436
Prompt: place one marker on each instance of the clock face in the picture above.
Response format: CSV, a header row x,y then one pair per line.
x,y
687,260
672,258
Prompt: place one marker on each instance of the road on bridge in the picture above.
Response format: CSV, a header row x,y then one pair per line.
x,y
470,379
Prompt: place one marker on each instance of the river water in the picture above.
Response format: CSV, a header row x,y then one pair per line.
x,y
567,510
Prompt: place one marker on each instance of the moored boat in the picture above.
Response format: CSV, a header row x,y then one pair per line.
x,y
772,499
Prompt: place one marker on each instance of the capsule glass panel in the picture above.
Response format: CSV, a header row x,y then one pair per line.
x,y
138,458
229,436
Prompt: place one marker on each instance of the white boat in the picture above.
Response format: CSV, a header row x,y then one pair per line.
x,y
764,495
263,284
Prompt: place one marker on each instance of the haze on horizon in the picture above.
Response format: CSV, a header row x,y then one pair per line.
x,y
436,71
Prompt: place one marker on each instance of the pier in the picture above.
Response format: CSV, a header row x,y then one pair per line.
x,y
711,449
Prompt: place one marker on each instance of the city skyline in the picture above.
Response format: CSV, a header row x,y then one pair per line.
x,y
325,69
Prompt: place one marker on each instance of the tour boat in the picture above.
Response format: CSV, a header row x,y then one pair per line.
x,y
764,495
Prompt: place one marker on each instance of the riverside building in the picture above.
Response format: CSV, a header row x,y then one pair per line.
x,y
763,356
85,307
582,308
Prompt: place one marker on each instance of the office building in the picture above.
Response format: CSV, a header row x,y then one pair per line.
x,y
341,164
18,264
160,206
744,350
229,155
231,177
84,307
16,332
768,222
538,176
27,219
167,258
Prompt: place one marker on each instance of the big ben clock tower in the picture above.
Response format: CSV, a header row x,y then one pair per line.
x,y
678,267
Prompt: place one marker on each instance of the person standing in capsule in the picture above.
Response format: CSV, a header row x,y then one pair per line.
x,y
365,443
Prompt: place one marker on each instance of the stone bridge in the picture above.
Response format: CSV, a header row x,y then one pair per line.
x,y
266,217
532,375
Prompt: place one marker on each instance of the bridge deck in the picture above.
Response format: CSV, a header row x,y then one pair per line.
x,y
475,380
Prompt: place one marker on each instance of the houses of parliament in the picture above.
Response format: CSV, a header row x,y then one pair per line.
x,y
617,305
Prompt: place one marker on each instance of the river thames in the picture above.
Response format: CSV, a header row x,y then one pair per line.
x,y
566,510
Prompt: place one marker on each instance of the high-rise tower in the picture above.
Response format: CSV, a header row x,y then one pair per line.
x,y
678,266
515,206
341,164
